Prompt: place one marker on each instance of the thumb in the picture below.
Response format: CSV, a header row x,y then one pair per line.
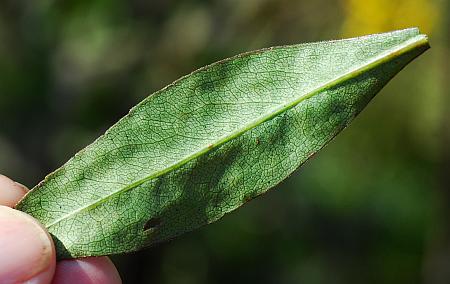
x,y
27,254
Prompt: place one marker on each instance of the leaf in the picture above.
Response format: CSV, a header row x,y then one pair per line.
x,y
211,141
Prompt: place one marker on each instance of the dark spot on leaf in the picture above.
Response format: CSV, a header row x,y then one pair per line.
x,y
152,223
248,197
338,107
311,155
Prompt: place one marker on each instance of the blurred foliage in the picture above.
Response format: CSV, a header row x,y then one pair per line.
x,y
372,207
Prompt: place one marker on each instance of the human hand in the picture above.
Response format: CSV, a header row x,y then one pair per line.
x,y
27,253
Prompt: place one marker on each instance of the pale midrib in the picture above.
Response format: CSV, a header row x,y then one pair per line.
x,y
408,45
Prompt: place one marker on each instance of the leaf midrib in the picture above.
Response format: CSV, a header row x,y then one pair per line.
x,y
410,44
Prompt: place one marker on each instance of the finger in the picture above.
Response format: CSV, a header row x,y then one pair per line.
x,y
27,254
91,270
10,192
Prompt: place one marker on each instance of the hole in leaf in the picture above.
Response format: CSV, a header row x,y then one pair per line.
x,y
152,223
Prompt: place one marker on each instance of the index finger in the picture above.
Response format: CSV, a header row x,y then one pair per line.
x,y
10,192
92,270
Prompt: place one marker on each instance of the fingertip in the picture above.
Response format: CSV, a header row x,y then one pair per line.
x,y
10,192
90,270
27,254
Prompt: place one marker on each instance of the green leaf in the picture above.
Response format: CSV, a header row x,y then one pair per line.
x,y
211,141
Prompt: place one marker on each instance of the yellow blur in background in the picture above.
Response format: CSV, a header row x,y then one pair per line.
x,y
374,16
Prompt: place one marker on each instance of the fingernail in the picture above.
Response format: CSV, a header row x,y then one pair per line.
x,y
26,250
10,192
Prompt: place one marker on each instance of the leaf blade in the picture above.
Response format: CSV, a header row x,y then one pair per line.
x,y
204,134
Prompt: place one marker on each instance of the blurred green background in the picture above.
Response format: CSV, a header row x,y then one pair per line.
x,y
373,207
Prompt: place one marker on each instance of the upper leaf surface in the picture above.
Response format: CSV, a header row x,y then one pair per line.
x,y
212,140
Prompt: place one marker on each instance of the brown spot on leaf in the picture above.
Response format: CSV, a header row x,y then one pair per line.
x,y
152,223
